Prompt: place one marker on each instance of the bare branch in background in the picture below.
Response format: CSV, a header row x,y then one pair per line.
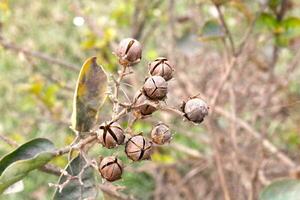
x,y
36,54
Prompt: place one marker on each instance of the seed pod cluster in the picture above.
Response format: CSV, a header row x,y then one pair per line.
x,y
111,135
111,168
161,67
129,51
195,110
161,134
155,88
138,148
141,106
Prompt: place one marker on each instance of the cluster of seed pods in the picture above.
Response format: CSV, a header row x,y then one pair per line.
x,y
155,88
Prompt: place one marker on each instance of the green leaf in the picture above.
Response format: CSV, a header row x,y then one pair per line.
x,y
29,156
74,190
288,29
291,26
90,95
273,4
286,189
211,30
266,21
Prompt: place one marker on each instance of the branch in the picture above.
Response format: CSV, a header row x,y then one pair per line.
x,y
8,141
40,55
51,169
220,87
266,143
224,24
61,172
113,192
122,74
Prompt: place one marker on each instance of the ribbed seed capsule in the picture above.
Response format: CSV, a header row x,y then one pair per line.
x,y
129,51
195,110
161,67
140,101
111,135
111,168
138,148
155,88
161,134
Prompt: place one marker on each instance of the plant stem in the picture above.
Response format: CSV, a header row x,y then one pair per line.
x,y
117,88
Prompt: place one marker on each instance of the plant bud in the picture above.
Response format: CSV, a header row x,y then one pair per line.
x,y
161,67
140,100
138,148
129,51
195,110
161,134
111,168
155,88
111,135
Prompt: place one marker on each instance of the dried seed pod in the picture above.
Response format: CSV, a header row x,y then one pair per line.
x,y
161,134
155,88
195,110
143,108
111,168
129,51
138,148
161,67
111,135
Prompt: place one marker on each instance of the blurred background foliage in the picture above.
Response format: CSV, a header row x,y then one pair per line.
x,y
43,45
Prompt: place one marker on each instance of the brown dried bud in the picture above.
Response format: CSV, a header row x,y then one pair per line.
x,y
195,110
155,88
161,134
138,148
111,168
129,51
142,107
161,67
111,135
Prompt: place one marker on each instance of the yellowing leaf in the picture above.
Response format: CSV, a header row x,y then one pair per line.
x,y
162,158
90,94
4,6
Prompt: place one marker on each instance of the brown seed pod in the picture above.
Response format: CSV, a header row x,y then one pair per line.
x,y
129,51
195,110
161,67
111,135
111,168
161,134
155,88
143,108
138,148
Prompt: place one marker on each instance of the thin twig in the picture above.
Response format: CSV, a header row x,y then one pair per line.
x,y
113,193
266,143
224,24
8,141
122,74
218,161
51,169
40,55
220,86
